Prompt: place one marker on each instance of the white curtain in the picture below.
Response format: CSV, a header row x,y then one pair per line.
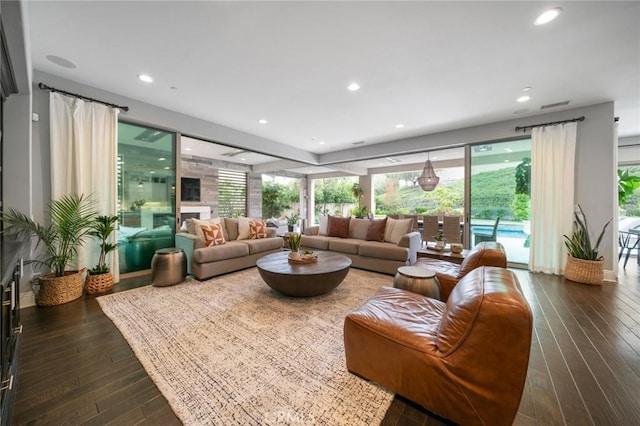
x,y
552,188
83,145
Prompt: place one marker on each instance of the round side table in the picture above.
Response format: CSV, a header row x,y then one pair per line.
x,y
168,267
418,280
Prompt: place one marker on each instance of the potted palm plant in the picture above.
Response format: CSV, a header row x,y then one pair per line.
x,y
292,221
100,279
70,221
584,264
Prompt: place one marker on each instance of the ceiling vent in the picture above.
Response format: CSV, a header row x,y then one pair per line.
x,y
234,153
150,135
358,143
557,104
392,160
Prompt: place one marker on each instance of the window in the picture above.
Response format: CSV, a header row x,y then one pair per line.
x,y
232,190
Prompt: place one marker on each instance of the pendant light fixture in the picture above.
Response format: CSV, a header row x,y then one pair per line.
x,y
428,179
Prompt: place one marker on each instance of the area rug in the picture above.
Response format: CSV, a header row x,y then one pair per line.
x,y
232,351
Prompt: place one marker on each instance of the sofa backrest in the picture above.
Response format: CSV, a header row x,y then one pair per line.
x,y
488,253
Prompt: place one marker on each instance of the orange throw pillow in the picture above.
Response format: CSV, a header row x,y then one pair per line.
x,y
212,234
257,229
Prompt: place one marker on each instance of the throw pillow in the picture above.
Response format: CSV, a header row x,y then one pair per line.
x,y
396,229
193,226
244,227
338,226
324,224
358,228
212,234
376,229
257,229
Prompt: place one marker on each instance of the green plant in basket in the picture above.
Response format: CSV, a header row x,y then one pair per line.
x,y
579,243
294,242
102,228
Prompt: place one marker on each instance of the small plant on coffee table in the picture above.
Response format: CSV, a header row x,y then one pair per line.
x,y
294,242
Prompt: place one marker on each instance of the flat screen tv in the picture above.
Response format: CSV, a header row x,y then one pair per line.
x,y
190,189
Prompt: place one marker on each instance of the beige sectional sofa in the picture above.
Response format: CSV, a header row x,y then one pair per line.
x,y
231,255
397,247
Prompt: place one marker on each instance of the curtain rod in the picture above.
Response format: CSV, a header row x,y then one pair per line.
x,y
524,128
75,95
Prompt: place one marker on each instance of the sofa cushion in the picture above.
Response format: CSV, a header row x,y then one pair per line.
x,y
212,234
232,228
387,251
319,242
346,245
395,229
263,244
230,250
338,226
376,230
358,228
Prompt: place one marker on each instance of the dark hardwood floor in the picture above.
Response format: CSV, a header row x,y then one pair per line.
x,y
584,369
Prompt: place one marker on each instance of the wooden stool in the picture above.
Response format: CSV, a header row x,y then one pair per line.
x,y
419,280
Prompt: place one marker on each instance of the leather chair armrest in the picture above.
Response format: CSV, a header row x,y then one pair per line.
x,y
312,230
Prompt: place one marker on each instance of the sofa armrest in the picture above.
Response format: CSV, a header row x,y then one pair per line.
x,y
312,230
412,241
188,243
271,232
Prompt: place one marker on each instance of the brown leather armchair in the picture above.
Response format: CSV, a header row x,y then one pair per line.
x,y
465,360
448,273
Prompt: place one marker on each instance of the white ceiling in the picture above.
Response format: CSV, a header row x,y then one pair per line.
x,y
432,66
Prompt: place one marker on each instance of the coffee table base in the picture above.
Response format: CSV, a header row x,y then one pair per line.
x,y
304,280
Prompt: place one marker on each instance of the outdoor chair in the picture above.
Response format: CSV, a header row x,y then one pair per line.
x,y
629,241
451,229
430,228
479,237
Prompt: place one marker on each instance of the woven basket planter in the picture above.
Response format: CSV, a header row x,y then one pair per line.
x,y
58,290
98,284
584,271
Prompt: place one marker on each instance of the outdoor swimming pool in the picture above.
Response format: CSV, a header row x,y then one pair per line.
x,y
513,241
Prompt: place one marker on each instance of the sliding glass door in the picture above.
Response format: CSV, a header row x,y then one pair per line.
x,y
500,196
146,194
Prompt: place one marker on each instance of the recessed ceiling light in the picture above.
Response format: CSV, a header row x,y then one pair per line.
x,y
526,89
187,149
524,98
321,143
399,126
242,159
435,157
353,86
262,121
161,159
547,16
146,78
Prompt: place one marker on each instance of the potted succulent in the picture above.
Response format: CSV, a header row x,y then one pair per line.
x,y
584,264
440,240
100,279
70,222
292,221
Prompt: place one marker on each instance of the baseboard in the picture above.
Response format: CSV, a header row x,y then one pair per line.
x,y
610,276
27,299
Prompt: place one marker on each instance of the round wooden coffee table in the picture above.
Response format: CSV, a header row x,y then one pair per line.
x,y
303,280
